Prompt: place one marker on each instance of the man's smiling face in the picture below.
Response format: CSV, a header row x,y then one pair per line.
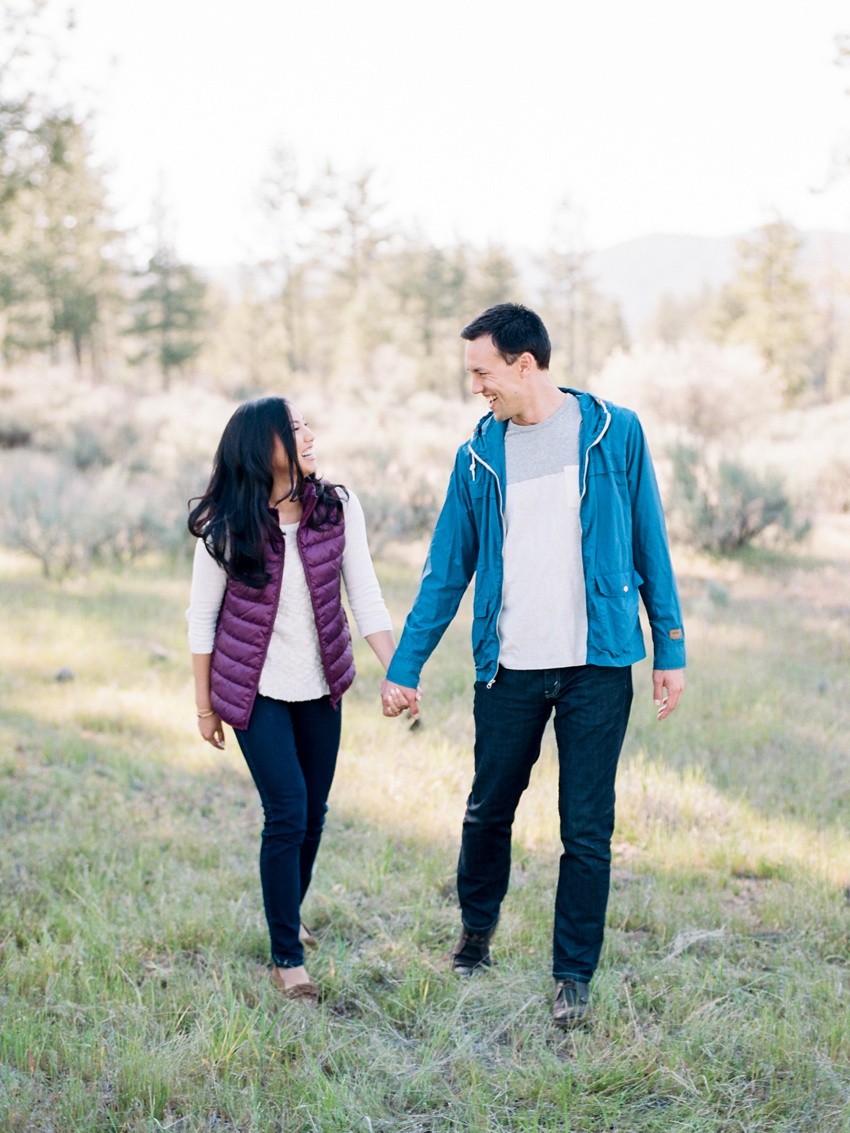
x,y
499,382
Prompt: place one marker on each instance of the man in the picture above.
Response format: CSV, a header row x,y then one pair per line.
x,y
554,507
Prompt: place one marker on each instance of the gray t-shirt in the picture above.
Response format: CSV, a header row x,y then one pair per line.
x,y
543,623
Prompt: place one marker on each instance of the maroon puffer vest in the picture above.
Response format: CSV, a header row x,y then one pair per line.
x,y
247,615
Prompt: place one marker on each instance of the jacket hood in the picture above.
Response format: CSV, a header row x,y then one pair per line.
x,y
488,436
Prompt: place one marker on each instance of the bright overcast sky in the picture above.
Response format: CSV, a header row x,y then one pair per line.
x,y
479,115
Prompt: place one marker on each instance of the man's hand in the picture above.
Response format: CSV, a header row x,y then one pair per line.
x,y
395,698
667,686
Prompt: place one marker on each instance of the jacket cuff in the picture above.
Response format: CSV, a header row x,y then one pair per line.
x,y
401,674
671,656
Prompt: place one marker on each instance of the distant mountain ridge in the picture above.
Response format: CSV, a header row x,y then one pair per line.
x,y
638,272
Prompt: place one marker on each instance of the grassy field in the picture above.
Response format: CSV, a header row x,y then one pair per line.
x,y
134,990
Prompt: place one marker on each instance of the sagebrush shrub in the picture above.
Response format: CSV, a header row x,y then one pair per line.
x,y
723,506
69,519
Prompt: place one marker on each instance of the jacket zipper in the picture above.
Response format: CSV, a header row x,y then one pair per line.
x,y
484,464
593,444
474,456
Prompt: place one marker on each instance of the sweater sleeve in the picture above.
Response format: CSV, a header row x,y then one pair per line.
x,y
358,573
208,585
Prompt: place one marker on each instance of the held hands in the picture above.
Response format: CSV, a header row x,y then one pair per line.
x,y
211,729
395,698
667,686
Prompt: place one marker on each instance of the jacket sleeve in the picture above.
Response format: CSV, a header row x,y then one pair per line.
x,y
651,555
448,571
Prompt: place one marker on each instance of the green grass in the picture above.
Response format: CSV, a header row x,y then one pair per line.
x,y
133,984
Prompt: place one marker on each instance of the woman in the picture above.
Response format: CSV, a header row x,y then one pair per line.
x,y
271,649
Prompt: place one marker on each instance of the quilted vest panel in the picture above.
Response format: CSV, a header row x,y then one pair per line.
x,y
247,617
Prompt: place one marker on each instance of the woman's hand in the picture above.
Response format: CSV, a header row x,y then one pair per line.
x,y
212,729
395,698
209,722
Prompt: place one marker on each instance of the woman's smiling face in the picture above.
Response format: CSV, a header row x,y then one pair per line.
x,y
303,438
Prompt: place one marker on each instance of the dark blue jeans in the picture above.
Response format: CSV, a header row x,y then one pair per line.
x,y
290,749
591,706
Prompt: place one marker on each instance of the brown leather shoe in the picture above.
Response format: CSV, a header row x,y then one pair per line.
x,y
471,953
306,993
571,1003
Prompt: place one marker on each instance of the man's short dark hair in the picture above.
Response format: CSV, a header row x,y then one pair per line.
x,y
515,330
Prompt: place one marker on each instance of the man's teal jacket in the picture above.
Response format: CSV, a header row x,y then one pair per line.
x,y
624,550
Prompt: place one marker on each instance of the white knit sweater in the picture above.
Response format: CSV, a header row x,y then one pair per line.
x,y
293,666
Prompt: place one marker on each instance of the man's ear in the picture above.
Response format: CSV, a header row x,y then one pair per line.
x,y
526,364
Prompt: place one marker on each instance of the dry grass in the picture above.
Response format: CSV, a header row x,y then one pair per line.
x,y
133,986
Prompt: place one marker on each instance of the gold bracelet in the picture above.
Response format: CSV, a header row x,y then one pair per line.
x,y
204,715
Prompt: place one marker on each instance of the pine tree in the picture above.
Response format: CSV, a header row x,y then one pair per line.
x,y
430,285
290,206
34,131
769,304
585,325
59,262
169,310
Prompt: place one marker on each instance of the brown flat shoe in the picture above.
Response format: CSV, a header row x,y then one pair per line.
x,y
304,992
305,935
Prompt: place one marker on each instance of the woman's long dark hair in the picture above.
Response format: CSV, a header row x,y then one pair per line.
x,y
233,515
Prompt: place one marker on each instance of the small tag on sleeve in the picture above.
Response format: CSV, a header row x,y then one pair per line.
x,y
676,635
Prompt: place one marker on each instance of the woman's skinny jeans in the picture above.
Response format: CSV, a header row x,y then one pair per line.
x,y
290,749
